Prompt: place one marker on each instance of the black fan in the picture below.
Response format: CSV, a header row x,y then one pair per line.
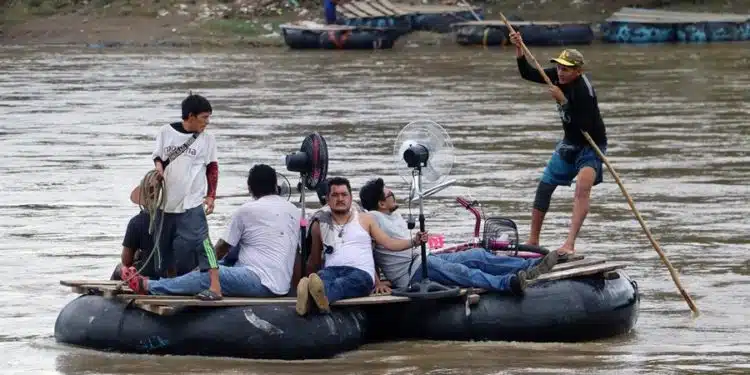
x,y
311,161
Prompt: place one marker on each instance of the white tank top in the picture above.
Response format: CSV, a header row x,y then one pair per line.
x,y
352,247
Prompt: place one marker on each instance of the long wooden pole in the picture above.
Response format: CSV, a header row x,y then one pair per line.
x,y
672,271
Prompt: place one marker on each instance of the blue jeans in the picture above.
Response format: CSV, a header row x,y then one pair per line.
x,y
476,268
234,281
567,160
345,282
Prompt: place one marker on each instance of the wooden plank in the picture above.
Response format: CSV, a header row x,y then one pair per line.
x,y
89,282
499,23
157,309
435,9
582,271
346,13
677,14
353,10
389,5
372,12
383,9
577,264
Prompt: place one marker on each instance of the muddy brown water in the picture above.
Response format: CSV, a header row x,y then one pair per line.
x,y
76,130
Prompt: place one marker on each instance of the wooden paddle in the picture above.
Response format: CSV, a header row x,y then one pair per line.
x,y
672,272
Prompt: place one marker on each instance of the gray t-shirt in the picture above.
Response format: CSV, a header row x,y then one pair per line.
x,y
395,264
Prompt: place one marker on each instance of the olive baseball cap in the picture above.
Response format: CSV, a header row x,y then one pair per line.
x,y
569,57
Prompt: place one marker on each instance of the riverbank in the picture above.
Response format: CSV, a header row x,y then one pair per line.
x,y
252,23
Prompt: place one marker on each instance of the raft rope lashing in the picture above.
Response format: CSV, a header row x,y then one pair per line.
x,y
152,191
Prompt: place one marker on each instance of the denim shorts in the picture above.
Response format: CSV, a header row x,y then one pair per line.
x,y
567,160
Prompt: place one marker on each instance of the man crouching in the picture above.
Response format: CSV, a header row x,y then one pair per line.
x,y
342,242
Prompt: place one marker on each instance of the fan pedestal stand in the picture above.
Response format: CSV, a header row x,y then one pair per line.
x,y
424,289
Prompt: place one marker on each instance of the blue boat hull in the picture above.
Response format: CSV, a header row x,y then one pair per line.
x,y
683,32
339,39
533,35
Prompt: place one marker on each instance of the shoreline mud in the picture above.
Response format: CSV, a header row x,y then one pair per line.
x,y
255,23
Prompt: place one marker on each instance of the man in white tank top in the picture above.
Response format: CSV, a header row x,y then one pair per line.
x,y
343,246
477,268
265,234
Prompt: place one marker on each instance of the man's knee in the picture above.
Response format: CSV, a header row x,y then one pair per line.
x,y
543,196
585,181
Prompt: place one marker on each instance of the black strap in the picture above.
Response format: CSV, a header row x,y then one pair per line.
x,y
179,150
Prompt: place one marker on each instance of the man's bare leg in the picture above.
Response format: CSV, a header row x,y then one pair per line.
x,y
537,219
584,182
213,274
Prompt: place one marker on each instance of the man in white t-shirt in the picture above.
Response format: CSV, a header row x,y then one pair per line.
x,y
185,159
266,233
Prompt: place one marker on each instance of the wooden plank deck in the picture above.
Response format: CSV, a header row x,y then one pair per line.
x,y
500,23
663,16
166,305
385,8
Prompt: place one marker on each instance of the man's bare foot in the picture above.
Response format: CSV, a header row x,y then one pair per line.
x,y
566,249
532,242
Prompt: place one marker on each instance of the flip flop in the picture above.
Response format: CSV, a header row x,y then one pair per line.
x,y
208,295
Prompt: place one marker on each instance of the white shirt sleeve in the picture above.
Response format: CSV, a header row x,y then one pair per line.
x,y
233,234
159,149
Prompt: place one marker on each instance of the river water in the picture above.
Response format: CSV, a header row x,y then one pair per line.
x,y
76,130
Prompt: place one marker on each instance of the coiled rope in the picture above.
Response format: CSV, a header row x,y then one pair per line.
x,y
152,191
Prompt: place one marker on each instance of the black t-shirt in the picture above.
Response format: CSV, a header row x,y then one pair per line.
x,y
138,238
581,112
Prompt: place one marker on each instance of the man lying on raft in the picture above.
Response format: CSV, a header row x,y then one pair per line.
x,y
476,268
266,233
342,242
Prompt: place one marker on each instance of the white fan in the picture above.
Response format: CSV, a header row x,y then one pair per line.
x,y
283,188
423,153
429,145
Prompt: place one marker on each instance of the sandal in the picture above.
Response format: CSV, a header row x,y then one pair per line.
x,y
209,295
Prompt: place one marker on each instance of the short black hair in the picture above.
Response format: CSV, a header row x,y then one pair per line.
x,y
195,104
338,181
322,190
372,193
261,180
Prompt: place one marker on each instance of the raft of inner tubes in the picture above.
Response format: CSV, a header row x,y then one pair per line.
x,y
339,37
534,33
578,309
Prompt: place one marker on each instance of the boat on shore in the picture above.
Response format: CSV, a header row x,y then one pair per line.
x,y
406,17
636,25
535,33
311,35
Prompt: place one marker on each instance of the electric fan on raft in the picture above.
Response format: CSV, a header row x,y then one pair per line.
x,y
423,154
311,162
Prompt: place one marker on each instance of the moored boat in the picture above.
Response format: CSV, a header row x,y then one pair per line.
x,y
406,17
535,33
310,35
635,25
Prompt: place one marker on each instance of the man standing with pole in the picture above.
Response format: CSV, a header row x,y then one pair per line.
x,y
516,38
573,157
